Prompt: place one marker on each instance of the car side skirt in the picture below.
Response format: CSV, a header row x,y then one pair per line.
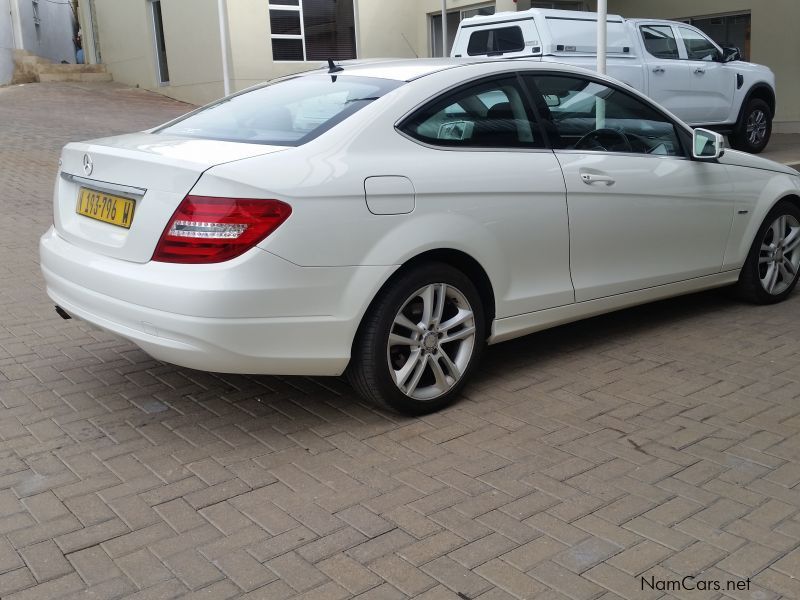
x,y
520,325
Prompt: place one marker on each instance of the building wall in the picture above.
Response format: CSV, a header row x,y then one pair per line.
x,y
54,38
6,43
774,41
126,41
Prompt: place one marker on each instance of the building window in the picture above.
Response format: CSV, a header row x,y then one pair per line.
x,y
312,29
454,17
561,5
160,43
726,30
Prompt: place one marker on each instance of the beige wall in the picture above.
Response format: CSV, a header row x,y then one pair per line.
x,y
126,41
774,40
385,28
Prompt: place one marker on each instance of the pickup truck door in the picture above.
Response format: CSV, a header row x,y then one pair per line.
x,y
667,75
713,83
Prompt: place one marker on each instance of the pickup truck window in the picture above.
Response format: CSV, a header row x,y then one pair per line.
x,y
698,47
496,41
488,114
582,114
659,41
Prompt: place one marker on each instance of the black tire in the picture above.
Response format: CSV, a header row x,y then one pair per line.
x,y
741,139
750,287
370,373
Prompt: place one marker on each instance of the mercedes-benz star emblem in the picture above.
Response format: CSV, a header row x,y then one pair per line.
x,y
88,165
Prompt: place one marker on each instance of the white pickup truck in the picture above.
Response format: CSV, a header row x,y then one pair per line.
x,y
675,64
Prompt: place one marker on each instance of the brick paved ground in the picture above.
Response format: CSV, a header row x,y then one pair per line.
x,y
662,441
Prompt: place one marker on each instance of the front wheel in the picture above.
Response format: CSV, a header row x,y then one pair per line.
x,y
770,272
420,340
753,131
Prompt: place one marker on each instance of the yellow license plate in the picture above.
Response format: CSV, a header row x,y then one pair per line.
x,y
105,207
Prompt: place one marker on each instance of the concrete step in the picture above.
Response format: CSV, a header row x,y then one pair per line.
x,y
85,77
55,69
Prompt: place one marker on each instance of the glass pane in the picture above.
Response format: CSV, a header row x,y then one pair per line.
x,y
580,114
496,41
284,22
287,49
732,30
486,115
285,2
660,41
330,29
287,113
698,47
161,44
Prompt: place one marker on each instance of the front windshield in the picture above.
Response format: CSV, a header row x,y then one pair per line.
x,y
289,112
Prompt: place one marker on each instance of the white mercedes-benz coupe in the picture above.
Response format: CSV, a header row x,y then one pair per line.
x,y
389,219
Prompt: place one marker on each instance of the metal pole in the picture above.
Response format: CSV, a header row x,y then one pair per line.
x,y
602,35
223,44
444,27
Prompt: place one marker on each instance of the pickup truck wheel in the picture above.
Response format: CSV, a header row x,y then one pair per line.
x,y
420,341
753,131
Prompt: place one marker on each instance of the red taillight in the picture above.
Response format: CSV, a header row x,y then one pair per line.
x,y
210,230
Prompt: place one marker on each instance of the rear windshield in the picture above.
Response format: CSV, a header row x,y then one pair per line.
x,y
289,112
496,41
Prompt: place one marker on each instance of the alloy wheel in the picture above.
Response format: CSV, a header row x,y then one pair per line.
x,y
756,127
779,255
431,341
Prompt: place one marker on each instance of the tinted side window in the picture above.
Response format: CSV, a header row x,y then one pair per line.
x,y
496,41
488,114
698,47
659,41
581,114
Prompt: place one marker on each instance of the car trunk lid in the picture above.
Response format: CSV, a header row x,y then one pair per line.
x,y
155,171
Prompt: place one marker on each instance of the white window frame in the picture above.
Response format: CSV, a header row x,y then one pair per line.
x,y
161,82
432,35
302,35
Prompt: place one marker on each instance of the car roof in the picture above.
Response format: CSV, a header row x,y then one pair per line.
x,y
408,69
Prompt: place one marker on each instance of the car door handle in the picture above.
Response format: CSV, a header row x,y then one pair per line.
x,y
658,69
700,71
591,178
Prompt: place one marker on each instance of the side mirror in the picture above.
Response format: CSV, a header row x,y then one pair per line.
x,y
731,53
552,100
707,145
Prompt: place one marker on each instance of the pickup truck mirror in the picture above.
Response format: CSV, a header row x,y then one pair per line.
x,y
731,53
707,145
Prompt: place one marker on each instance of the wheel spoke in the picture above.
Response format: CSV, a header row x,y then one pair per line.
x,y
459,319
404,321
428,296
771,278
399,340
402,375
441,379
461,334
438,309
792,240
785,274
789,267
455,372
778,230
764,259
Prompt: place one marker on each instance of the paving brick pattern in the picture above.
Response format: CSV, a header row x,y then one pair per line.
x,y
661,441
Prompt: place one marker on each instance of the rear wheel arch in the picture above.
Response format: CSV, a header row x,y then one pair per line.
x,y
458,260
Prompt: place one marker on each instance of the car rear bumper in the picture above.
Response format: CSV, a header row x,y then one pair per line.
x,y
255,314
